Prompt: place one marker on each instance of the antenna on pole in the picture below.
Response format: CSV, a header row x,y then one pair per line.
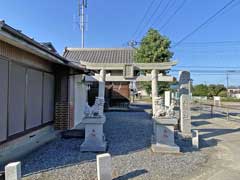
x,y
82,6
132,44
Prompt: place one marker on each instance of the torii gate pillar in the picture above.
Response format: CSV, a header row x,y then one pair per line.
x,y
154,88
101,88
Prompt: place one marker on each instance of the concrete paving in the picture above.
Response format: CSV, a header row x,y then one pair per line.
x,y
223,136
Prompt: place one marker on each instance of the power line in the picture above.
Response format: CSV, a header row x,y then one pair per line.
x,y
174,14
211,42
204,23
210,70
209,74
229,8
164,10
143,18
207,55
190,44
205,74
217,67
221,51
150,18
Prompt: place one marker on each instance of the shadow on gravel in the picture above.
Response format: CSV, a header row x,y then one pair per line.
x,y
208,116
202,116
210,133
135,106
132,174
234,114
208,143
126,132
200,123
184,144
217,132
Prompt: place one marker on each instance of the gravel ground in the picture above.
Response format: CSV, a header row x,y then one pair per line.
x,y
129,137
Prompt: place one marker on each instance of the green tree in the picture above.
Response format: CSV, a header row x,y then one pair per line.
x,y
154,48
223,93
200,90
210,91
215,90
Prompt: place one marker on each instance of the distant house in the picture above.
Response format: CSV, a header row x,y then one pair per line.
x,y
36,93
234,92
114,59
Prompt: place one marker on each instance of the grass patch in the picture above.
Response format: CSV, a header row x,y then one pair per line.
x,y
229,99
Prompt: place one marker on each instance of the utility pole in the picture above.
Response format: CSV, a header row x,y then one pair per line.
x,y
227,83
82,5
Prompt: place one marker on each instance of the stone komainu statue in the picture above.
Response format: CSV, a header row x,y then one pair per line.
x,y
162,111
96,110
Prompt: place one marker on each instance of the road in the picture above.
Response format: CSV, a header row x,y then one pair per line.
x,y
222,136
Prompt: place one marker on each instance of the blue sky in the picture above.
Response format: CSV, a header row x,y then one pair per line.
x,y
111,23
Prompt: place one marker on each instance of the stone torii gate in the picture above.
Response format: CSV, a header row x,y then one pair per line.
x,y
94,120
128,75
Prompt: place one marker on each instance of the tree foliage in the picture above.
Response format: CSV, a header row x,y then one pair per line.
x,y
210,91
200,90
154,48
223,93
215,90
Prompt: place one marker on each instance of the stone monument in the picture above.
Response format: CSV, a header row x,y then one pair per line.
x,y
185,115
184,82
185,109
94,120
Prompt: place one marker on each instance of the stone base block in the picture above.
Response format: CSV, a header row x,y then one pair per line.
x,y
163,148
86,147
184,135
94,136
195,139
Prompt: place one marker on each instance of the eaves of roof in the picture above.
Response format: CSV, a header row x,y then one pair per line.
x,y
20,40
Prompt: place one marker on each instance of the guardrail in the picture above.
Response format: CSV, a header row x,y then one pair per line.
x,y
223,109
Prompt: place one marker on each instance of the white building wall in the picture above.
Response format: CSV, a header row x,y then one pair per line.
x,y
80,99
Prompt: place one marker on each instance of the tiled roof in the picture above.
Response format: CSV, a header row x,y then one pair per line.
x,y
100,55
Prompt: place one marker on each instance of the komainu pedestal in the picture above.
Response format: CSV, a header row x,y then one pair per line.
x,y
94,136
93,121
163,135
